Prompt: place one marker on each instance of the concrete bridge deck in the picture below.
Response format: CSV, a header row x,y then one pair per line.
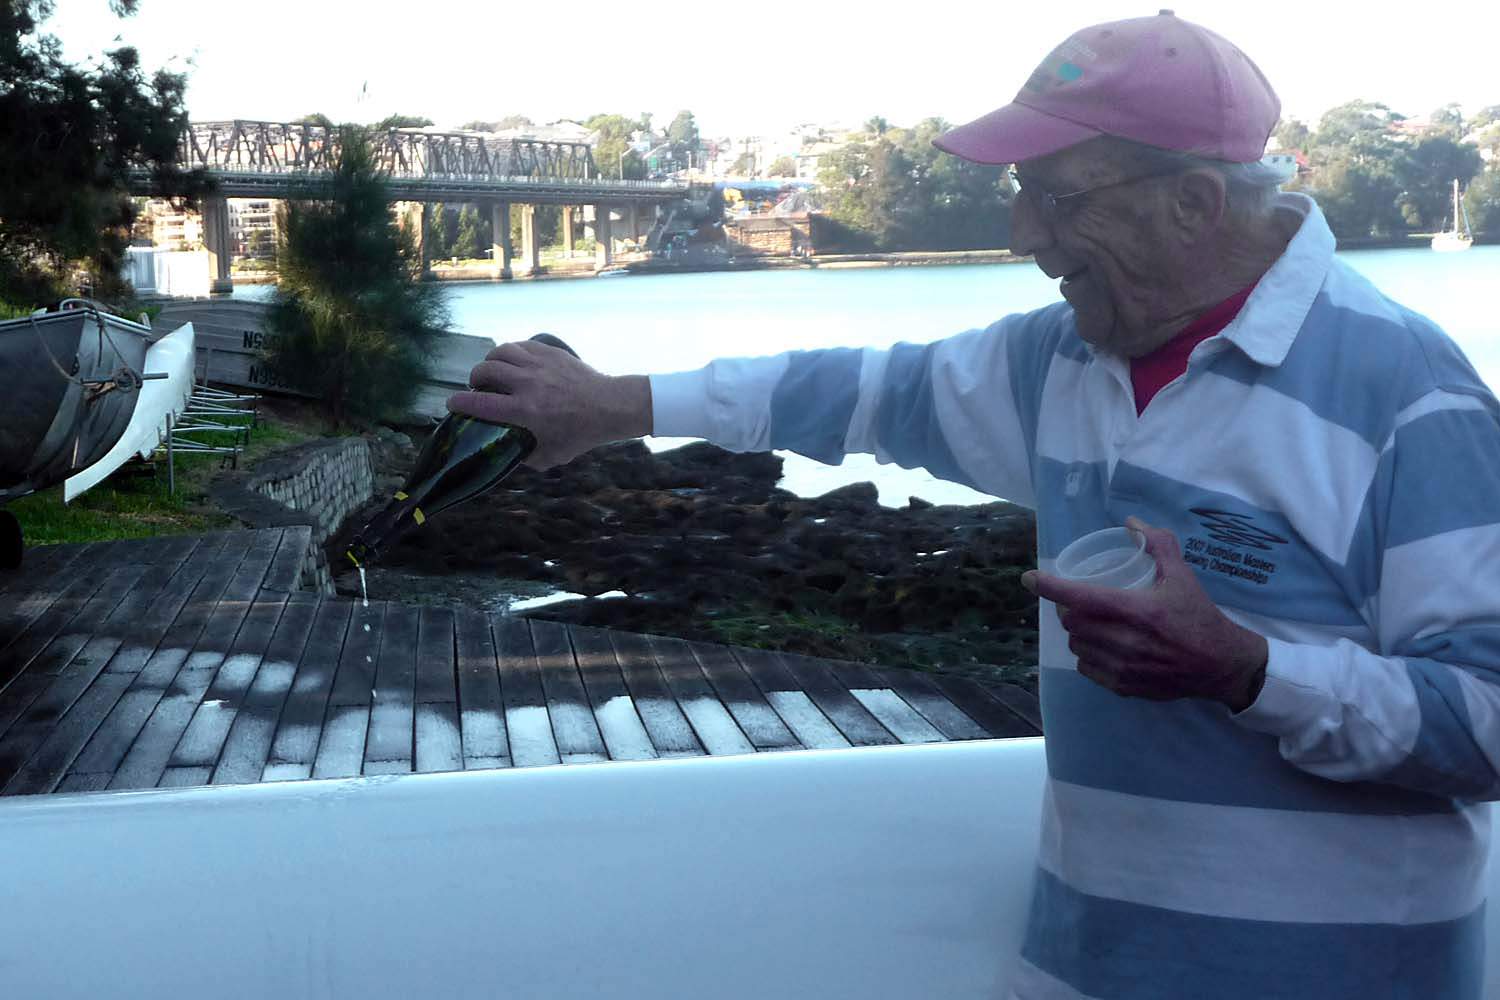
x,y
195,660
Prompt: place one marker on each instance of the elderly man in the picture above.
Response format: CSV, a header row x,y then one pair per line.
x,y
1266,771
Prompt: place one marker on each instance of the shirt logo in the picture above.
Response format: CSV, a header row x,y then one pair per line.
x,y
1223,552
1236,529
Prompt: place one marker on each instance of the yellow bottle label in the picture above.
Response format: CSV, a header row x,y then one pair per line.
x,y
418,516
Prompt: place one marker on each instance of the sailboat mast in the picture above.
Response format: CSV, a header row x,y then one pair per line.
x,y
1456,228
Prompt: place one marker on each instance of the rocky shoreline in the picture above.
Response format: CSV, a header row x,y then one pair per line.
x,y
700,543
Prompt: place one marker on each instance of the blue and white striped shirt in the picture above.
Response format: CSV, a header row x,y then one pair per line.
x,y
1330,464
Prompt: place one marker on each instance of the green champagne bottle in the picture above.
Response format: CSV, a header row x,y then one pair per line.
x,y
462,458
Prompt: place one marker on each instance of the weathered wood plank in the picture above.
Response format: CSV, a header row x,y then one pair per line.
x,y
918,691
614,709
355,679
903,721
716,728
391,735
573,725
38,565
204,737
1018,700
47,765
18,696
436,681
248,744
38,617
813,728
285,568
251,571
287,772
341,750
757,719
834,700
670,732
438,745
83,783
151,625
41,653
341,746
976,701
81,695
295,746
182,691
153,653
185,777
527,723
482,712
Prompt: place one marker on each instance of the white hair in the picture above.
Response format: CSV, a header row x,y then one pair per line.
x,y
1249,187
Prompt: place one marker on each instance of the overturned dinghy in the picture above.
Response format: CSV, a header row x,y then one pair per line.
x,y
69,384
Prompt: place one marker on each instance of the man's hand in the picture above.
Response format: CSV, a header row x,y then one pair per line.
x,y
565,403
1164,642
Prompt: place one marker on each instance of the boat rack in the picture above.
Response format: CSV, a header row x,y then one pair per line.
x,y
210,411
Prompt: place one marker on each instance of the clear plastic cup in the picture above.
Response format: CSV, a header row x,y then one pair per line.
x,y
1113,557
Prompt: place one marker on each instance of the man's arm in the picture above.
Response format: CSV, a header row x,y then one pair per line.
x,y
963,408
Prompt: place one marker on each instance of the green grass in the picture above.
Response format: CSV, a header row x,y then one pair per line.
x,y
778,629
134,501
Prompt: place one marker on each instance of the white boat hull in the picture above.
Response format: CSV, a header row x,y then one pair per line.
x,y
171,356
1451,242
883,873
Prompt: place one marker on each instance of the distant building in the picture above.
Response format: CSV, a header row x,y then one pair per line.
x,y
769,236
167,226
248,216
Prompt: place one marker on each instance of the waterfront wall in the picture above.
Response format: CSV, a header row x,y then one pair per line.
x,y
316,484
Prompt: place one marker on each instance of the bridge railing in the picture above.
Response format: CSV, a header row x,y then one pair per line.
x,y
293,148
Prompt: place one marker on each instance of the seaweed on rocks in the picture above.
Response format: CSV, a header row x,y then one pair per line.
x,y
705,546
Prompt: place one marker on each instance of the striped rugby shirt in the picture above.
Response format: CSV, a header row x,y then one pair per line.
x,y
1330,464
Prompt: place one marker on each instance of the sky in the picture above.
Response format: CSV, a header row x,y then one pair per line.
x,y
746,69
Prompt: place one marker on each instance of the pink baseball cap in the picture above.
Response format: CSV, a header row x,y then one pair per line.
x,y
1161,81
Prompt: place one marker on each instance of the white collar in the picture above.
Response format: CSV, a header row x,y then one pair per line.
x,y
1271,317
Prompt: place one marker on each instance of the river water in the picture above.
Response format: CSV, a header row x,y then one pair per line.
x,y
660,323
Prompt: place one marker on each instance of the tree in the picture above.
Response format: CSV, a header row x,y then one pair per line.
x,y
1482,202
1429,169
744,164
260,244
1292,134
1358,198
784,166
895,191
351,322
612,153
500,125
683,136
401,121
439,233
467,244
71,138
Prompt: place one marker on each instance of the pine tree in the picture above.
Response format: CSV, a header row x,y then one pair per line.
x,y
466,245
352,322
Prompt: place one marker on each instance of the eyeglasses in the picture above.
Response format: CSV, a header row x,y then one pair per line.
x,y
1049,204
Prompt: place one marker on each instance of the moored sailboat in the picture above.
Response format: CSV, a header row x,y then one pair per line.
x,y
1459,237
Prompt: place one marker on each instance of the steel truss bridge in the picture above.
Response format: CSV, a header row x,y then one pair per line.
x,y
255,159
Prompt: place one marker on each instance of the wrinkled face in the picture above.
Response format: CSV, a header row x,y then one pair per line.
x,y
1110,247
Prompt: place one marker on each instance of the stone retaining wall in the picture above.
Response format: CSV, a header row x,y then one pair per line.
x,y
317,484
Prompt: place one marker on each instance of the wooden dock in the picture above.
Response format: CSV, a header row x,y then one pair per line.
x,y
193,660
